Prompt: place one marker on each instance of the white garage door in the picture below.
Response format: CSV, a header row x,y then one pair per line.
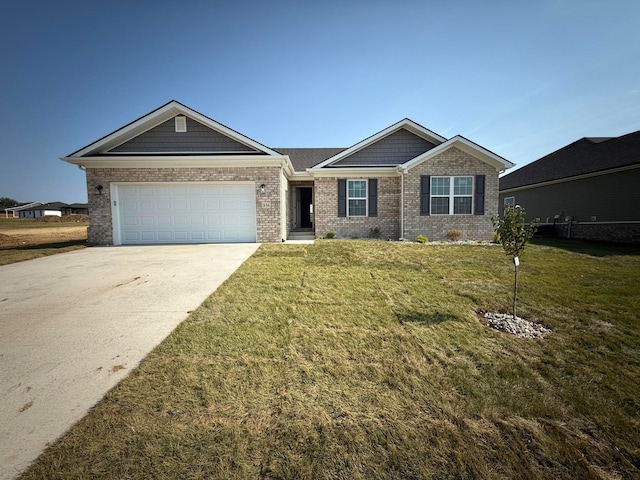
x,y
185,213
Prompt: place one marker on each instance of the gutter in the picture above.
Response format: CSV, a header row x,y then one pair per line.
x,y
401,171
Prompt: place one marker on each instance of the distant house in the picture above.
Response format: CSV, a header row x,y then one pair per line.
x,y
15,211
76,209
588,189
43,209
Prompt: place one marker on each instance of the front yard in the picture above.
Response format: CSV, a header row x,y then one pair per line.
x,y
365,360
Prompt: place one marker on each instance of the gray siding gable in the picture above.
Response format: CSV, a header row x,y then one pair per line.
x,y
395,149
197,138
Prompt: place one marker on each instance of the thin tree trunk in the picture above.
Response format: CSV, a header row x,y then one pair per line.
x,y
515,290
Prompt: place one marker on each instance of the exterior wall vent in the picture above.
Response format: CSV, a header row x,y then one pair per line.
x,y
181,124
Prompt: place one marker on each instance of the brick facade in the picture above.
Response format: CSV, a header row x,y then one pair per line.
x,y
268,205
623,232
388,219
452,162
275,205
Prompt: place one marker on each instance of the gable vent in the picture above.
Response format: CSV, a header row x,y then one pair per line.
x,y
181,124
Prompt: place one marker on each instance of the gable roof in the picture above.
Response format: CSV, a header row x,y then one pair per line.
x,y
47,206
303,158
406,124
158,116
587,155
467,146
22,206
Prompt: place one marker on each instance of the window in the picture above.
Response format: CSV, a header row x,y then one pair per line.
x,y
356,198
511,201
446,200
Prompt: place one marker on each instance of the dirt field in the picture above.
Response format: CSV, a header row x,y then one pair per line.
x,y
14,237
22,240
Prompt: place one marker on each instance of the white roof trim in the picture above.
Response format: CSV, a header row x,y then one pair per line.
x,y
192,161
23,207
407,124
155,118
467,146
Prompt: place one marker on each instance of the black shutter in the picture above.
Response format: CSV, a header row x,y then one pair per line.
x,y
425,185
342,197
479,197
373,197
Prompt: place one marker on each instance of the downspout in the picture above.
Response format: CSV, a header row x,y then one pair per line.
x,y
401,170
283,206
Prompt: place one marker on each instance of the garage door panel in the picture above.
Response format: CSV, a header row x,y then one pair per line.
x,y
131,236
180,205
197,205
146,206
186,213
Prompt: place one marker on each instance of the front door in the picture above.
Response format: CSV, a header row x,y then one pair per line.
x,y
304,207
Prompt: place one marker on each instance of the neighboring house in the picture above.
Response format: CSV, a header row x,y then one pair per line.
x,y
42,210
76,209
15,211
177,176
588,189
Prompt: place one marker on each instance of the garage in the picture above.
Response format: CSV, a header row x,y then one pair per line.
x,y
162,213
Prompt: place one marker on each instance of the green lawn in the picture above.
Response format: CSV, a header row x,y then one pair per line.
x,y
366,360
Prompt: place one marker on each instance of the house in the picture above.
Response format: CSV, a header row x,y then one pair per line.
x,y
15,211
586,190
76,209
43,209
177,176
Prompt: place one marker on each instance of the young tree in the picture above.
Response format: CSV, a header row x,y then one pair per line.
x,y
514,234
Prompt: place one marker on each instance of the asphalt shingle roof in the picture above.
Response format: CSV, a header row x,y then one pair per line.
x,y
587,155
303,158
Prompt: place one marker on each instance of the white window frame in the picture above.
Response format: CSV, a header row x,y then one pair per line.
x,y
451,196
181,123
511,201
365,198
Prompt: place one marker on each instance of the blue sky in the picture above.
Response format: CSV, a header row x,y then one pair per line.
x,y
520,78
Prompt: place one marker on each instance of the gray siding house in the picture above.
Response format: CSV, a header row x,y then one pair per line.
x,y
178,176
588,189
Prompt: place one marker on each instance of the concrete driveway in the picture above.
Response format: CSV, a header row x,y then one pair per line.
x,y
73,325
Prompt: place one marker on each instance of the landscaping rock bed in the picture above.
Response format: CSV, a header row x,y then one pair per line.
x,y
518,326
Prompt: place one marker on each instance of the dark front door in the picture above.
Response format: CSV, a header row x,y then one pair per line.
x,y
306,199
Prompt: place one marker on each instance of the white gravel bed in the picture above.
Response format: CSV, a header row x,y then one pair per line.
x,y
518,326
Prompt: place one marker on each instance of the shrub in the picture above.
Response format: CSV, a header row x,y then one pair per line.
x,y
374,232
329,235
453,235
422,239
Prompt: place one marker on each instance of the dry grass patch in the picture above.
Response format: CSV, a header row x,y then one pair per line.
x,y
23,239
365,360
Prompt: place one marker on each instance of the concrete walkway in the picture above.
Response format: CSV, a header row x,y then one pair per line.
x,y
73,325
